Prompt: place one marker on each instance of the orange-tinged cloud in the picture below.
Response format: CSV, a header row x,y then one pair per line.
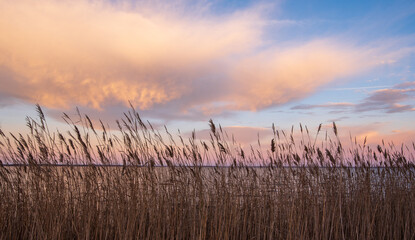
x,y
280,76
373,133
398,138
88,53
82,52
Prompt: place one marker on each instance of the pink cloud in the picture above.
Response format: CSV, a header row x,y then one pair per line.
x,y
62,54
86,53
374,133
241,134
280,76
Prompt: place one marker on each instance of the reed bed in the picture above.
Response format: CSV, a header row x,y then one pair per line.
x,y
138,183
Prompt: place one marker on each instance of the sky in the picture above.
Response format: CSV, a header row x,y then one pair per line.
x,y
244,64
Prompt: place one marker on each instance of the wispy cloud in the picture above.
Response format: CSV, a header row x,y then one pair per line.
x,y
279,76
405,85
388,100
357,88
331,105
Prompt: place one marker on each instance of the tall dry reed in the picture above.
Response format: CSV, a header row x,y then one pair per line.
x,y
138,183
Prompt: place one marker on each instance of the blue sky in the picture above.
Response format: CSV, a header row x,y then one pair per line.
x,y
246,64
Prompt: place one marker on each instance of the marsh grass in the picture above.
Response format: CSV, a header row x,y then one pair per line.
x,y
138,183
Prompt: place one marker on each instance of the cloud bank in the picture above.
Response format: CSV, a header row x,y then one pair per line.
x,y
92,54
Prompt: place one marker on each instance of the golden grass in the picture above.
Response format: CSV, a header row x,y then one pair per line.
x,y
62,186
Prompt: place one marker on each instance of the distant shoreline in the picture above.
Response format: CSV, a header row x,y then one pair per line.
x,y
203,166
